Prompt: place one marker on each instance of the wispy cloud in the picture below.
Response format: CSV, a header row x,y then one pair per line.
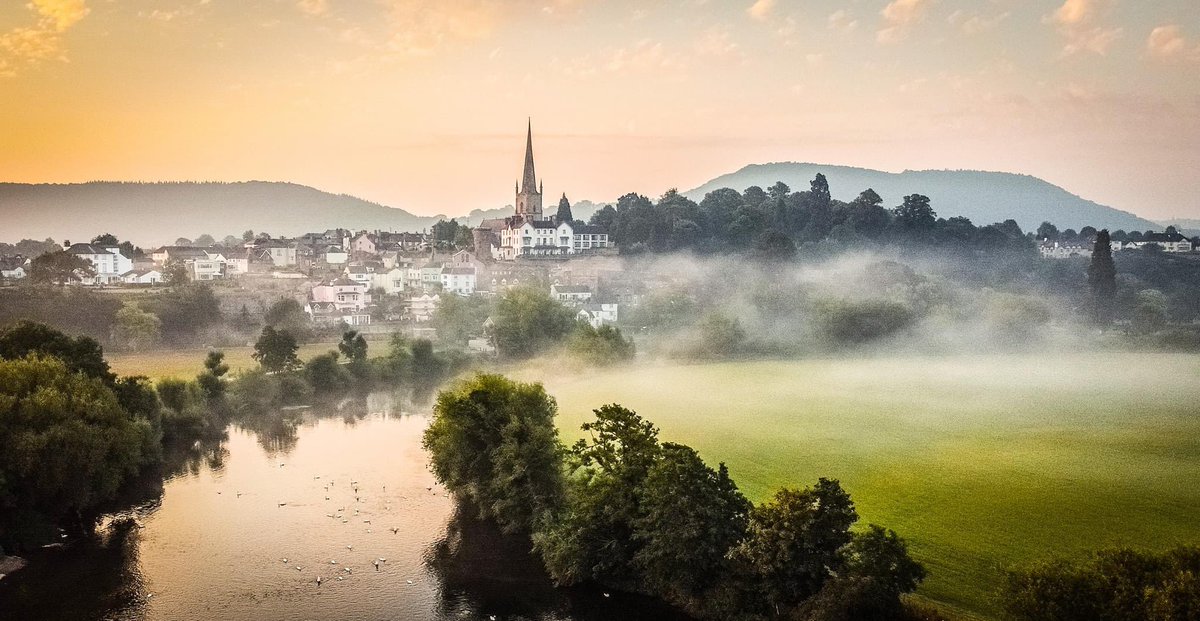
x,y
28,45
898,18
1168,43
313,7
1077,22
970,25
842,21
761,9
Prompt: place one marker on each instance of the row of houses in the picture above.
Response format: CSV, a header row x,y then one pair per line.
x,y
1169,241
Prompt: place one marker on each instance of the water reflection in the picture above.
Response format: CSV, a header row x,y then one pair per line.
x,y
485,573
345,482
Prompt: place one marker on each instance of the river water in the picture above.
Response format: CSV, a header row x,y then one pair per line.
x,y
244,526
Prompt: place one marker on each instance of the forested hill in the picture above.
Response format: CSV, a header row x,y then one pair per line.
x,y
984,197
158,213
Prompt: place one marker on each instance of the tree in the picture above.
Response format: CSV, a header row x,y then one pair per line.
x,y
605,217
793,542
1102,279
212,379
105,239
136,329
288,314
176,273
231,242
564,211
353,346
492,441
915,215
68,444
592,536
458,318
185,311
204,241
1047,232
325,375
600,346
1149,312
528,320
881,554
248,235
80,354
275,351
183,241
60,267
690,516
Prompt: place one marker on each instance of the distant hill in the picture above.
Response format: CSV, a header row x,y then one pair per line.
x,y
581,210
157,213
984,197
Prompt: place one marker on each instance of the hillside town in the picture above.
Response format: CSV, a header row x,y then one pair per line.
x,y
382,281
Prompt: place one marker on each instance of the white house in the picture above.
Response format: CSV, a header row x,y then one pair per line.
x,y
1064,250
598,314
13,268
142,277
108,262
335,255
422,306
571,294
211,267
535,238
342,294
459,280
588,238
359,273
1170,242
391,281
431,274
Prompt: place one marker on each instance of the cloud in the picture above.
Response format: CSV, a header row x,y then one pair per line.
x,y
1168,43
842,21
29,45
1076,21
761,9
313,7
717,43
975,24
898,17
1073,12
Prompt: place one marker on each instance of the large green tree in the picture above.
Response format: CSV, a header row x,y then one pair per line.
x,y
492,441
68,443
60,267
527,321
794,541
275,350
689,517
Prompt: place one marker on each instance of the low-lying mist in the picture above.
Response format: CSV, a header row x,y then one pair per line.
x,y
863,302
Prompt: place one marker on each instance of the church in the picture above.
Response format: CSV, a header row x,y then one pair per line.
x,y
527,233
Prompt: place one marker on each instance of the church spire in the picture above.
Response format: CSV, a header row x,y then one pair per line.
x,y
529,180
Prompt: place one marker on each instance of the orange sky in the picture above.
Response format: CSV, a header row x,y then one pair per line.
x,y
421,104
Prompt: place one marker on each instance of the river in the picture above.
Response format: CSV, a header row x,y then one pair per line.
x,y
242,529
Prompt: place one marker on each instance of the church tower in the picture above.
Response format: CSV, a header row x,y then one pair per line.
x,y
529,195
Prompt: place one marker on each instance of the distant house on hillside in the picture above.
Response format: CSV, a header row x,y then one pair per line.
x,y
1065,250
149,276
571,294
598,314
1169,241
460,280
108,262
14,267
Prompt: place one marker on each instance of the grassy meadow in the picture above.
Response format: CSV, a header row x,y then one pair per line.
x,y
982,463
186,363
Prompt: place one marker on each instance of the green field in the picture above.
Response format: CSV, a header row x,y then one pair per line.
x,y
982,463
188,362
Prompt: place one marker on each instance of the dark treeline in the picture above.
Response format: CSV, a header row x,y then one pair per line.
x,y
774,221
628,511
1112,585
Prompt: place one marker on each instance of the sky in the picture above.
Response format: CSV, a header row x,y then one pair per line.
x,y
422,104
